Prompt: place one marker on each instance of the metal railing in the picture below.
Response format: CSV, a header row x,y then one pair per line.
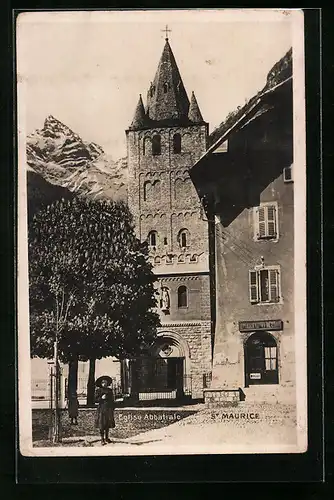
x,y
163,391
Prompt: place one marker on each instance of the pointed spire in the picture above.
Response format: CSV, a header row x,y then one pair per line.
x,y
139,116
167,97
194,113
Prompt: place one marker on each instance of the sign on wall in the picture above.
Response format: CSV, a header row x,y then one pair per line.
x,y
272,324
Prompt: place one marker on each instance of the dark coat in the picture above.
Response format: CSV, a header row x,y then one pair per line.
x,y
105,411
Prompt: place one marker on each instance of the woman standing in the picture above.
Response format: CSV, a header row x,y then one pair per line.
x,y
105,410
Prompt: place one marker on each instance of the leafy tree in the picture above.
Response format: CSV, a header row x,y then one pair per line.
x,y
91,285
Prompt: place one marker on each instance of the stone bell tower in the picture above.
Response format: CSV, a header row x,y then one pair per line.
x,y
164,141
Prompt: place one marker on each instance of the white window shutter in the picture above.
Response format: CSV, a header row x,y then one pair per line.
x,y
271,221
273,285
261,222
253,286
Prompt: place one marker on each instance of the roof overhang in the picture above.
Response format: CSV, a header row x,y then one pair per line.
x,y
248,116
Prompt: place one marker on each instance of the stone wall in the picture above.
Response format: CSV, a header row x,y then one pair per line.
x,y
198,294
220,397
162,196
163,199
197,335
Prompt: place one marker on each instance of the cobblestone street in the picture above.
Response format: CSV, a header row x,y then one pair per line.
x,y
269,427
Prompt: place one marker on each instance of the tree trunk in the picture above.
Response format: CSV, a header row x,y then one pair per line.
x,y
73,376
91,383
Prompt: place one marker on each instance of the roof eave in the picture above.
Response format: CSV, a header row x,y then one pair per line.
x,y
225,135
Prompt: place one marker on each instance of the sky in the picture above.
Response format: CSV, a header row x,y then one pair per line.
x,y
87,68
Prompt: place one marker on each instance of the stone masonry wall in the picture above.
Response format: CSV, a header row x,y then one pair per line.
x,y
198,338
198,289
219,397
163,199
162,196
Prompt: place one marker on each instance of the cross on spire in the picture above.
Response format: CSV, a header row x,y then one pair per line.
x,y
166,30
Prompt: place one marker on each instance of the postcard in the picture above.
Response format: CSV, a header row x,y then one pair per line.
x,y
161,232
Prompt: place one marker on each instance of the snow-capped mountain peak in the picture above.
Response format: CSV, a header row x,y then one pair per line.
x,y
62,158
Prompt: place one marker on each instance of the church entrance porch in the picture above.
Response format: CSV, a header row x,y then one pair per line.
x,y
159,379
161,375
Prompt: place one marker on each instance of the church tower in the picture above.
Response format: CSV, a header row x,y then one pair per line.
x,y
165,139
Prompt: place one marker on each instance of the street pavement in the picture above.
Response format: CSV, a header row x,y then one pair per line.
x,y
247,428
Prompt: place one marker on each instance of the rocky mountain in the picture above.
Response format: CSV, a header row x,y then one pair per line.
x,y
42,193
61,158
278,73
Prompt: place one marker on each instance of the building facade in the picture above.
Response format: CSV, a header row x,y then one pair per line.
x,y
164,141
219,223
246,177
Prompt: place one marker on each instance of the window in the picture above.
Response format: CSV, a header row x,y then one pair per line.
x,y
266,226
182,297
176,143
147,190
287,174
165,241
270,356
165,88
178,188
183,238
156,190
156,145
146,146
264,285
183,241
223,148
153,239
188,190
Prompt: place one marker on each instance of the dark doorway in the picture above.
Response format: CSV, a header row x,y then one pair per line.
x,y
174,373
158,374
261,363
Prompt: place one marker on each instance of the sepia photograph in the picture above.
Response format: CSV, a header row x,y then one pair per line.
x,y
161,232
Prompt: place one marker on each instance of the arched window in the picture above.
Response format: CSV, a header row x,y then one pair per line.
x,y
183,238
165,88
156,145
152,238
146,146
177,143
147,190
182,296
156,192
178,189
188,189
